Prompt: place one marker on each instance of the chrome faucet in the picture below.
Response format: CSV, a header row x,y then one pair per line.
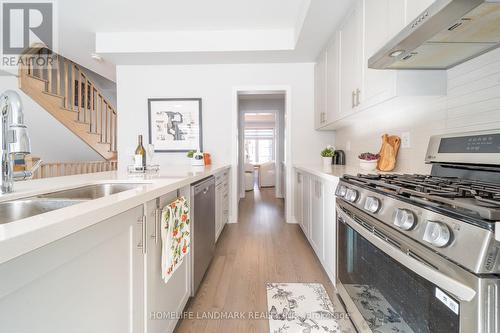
x,y
15,141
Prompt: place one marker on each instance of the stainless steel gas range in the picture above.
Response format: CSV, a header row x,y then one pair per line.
x,y
418,253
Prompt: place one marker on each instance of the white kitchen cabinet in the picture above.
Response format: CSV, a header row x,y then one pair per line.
x,y
320,86
306,204
221,201
315,212
298,198
317,217
333,80
89,281
329,227
351,55
163,297
367,28
415,8
379,28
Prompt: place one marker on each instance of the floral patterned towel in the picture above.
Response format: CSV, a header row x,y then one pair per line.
x,y
175,236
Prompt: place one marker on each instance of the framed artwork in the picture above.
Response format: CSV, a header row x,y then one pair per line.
x,y
175,124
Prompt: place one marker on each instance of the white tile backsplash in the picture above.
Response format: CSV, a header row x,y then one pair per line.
x,y
472,103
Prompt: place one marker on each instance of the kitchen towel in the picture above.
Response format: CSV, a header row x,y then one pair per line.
x,y
175,236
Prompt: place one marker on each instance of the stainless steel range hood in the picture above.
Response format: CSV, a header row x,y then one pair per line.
x,y
446,34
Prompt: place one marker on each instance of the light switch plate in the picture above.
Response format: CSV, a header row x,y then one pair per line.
x,y
405,140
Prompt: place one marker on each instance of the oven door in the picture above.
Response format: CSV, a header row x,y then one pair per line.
x,y
390,283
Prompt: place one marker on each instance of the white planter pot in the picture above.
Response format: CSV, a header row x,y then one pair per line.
x,y
327,162
368,165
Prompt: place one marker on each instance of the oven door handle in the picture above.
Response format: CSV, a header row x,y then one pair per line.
x,y
452,286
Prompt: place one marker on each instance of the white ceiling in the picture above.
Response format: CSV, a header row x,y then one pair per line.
x,y
195,31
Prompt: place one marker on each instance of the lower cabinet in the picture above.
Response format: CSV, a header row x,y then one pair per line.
x,y
315,212
103,279
221,201
89,281
317,233
163,298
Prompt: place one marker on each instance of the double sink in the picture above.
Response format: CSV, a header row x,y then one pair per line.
x,y
26,207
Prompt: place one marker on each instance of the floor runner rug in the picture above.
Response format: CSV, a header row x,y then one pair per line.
x,y
304,308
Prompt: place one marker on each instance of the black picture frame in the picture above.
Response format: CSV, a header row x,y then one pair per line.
x,y
151,101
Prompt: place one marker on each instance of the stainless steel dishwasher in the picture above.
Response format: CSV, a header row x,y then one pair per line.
x,y
203,229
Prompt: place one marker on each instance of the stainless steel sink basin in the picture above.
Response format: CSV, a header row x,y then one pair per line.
x,y
26,207
23,208
90,192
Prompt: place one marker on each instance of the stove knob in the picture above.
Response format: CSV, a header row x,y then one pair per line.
x,y
404,219
341,190
372,204
437,234
351,195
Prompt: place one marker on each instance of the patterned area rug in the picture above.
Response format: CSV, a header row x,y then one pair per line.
x,y
304,308
377,311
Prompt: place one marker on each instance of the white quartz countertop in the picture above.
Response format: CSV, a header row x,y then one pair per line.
x,y
334,172
22,236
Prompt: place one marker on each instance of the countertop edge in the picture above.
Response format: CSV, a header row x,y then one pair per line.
x,y
25,242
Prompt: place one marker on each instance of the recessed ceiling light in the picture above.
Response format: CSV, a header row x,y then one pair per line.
x,y
396,53
96,57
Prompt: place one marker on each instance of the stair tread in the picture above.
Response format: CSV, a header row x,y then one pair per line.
x,y
52,94
36,78
66,109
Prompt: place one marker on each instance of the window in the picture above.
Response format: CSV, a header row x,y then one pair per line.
x,y
259,145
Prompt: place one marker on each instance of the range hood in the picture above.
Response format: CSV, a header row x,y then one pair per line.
x,y
446,34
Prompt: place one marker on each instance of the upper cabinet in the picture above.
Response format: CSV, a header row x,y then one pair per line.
x,y
350,86
333,80
320,91
351,55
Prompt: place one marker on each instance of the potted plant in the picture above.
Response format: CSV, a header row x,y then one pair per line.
x,y
327,155
197,158
368,161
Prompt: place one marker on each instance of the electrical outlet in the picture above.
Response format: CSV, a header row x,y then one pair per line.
x,y
405,140
348,146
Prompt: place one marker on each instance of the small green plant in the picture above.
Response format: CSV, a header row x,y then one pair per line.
x,y
190,153
329,151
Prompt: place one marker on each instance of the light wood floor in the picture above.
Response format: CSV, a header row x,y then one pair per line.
x,y
260,248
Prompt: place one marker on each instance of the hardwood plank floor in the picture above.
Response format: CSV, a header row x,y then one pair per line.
x,y
261,248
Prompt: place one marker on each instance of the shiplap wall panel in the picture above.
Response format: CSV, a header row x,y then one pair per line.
x,y
472,103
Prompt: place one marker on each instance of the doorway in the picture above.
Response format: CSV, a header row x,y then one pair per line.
x,y
261,143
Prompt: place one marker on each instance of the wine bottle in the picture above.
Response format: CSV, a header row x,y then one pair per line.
x,y
140,155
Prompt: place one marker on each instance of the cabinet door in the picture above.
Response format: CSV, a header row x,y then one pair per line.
x,y
218,209
382,19
317,217
329,220
320,91
415,8
163,297
89,281
298,199
351,57
306,204
333,80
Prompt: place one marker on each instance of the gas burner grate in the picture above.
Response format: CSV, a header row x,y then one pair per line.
x,y
474,197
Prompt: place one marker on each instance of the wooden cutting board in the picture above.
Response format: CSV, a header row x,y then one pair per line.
x,y
388,152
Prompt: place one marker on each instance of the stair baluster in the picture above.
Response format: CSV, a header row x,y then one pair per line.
x,y
63,82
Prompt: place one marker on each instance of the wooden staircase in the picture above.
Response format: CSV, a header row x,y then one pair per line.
x,y
60,87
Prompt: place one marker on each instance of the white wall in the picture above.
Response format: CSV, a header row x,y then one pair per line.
x,y
215,84
472,103
50,140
